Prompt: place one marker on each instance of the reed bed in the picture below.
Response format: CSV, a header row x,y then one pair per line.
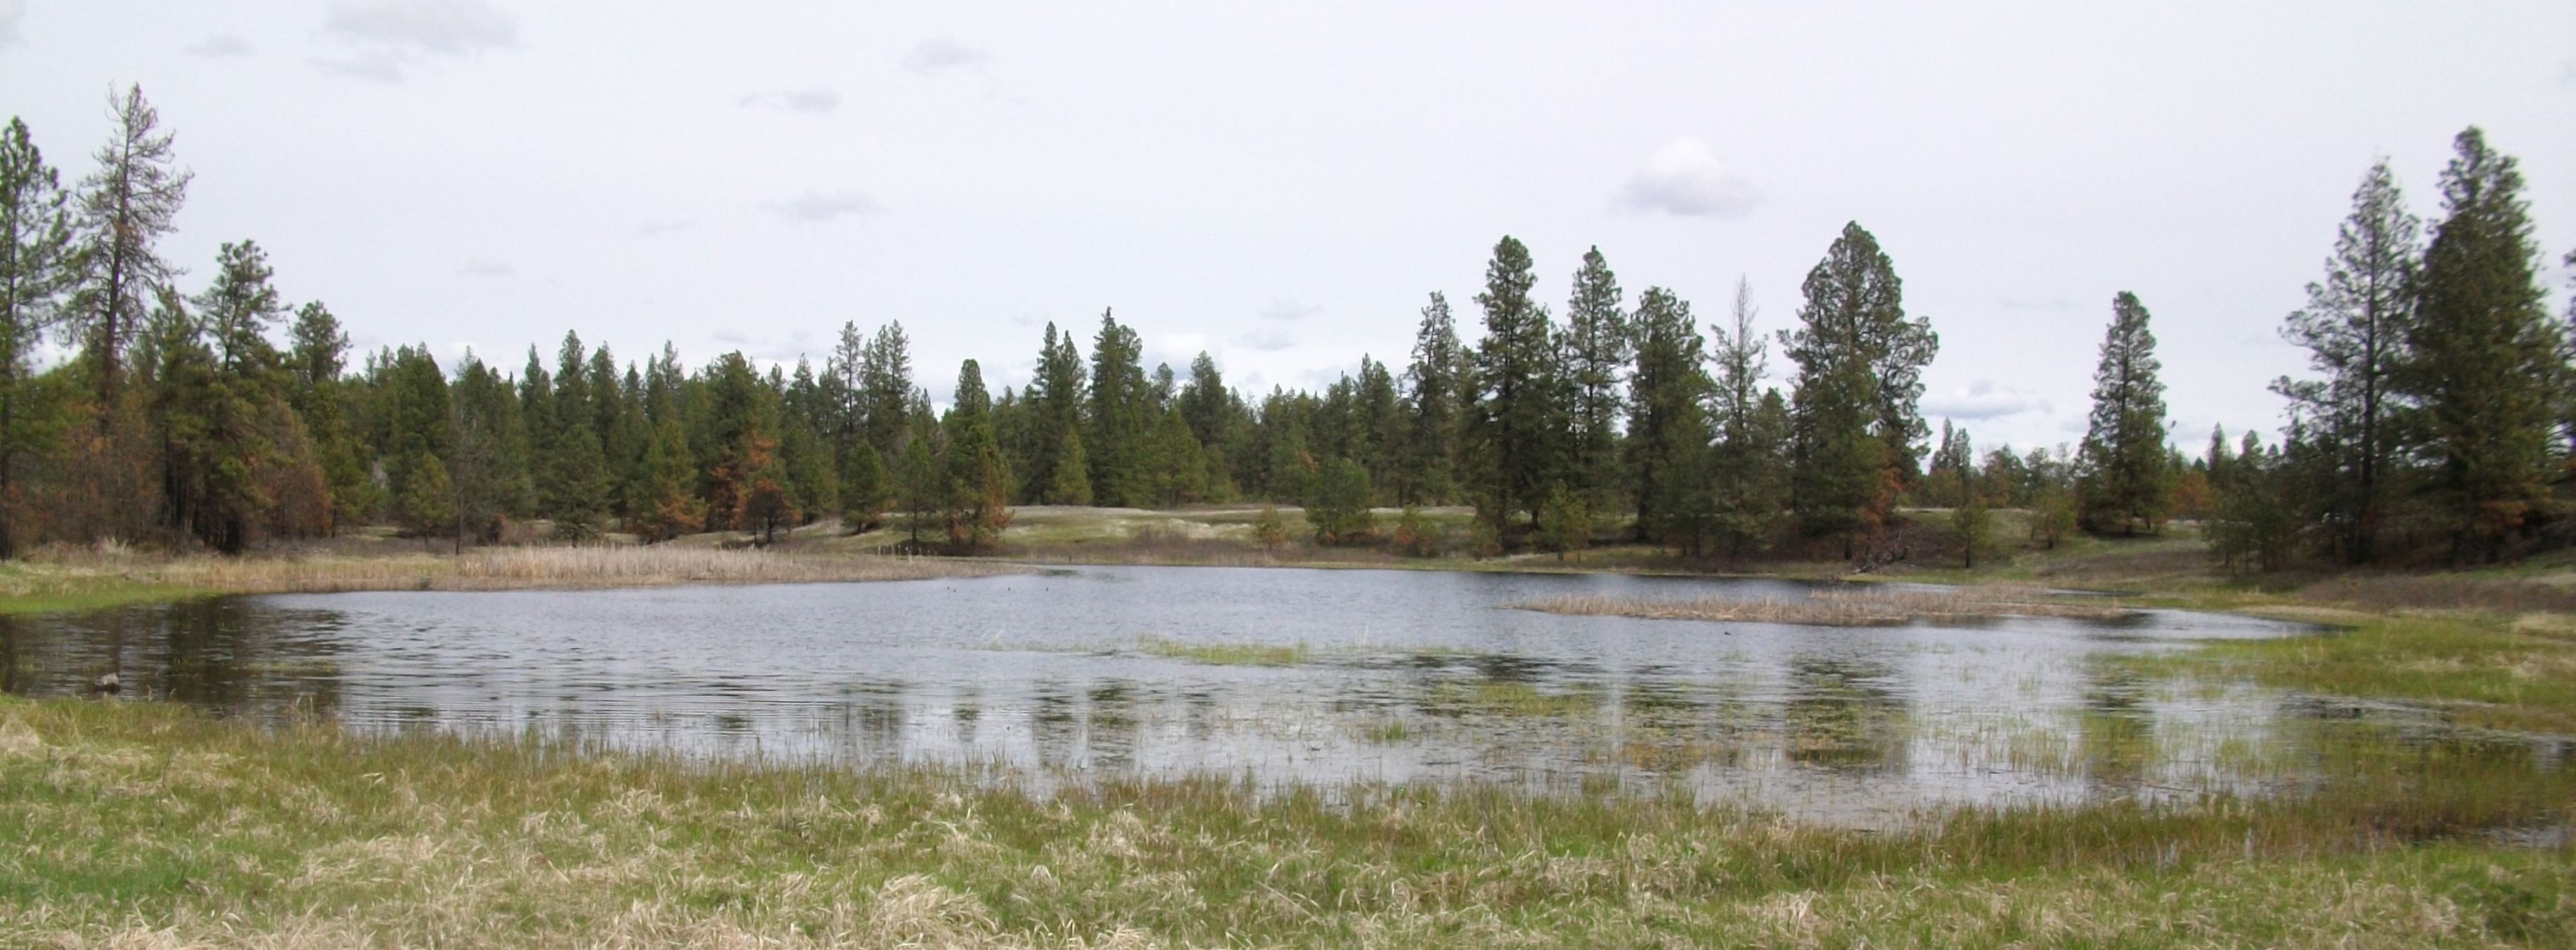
x,y
1839,608
74,577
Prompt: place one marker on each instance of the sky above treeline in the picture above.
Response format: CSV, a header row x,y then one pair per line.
x,y
1282,186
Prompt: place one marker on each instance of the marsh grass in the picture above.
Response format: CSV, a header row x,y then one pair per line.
x,y
1839,608
149,825
1225,654
101,577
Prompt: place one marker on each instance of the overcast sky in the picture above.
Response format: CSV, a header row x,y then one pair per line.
x,y
1283,185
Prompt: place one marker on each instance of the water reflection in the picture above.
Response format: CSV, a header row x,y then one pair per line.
x,y
1389,675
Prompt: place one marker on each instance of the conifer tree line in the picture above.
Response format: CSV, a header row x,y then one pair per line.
x,y
2440,415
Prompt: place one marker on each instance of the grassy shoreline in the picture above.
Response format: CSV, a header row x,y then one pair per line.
x,y
149,825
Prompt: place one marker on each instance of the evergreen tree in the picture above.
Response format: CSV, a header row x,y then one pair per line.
x,y
425,501
866,490
2484,355
125,207
1072,484
1667,427
1377,421
36,266
1118,419
1973,526
1176,467
2355,328
1434,390
1567,524
1517,419
1748,464
667,504
1339,512
1596,342
318,351
2122,479
885,385
1206,405
976,483
918,485
1860,363
1055,400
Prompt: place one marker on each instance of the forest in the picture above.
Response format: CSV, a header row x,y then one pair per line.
x,y
2434,426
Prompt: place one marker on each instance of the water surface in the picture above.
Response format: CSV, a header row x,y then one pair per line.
x,y
1072,675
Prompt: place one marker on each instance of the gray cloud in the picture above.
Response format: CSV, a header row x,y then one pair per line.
x,y
1266,341
11,11
1983,400
815,99
387,37
488,267
941,54
817,207
1684,178
220,46
1289,310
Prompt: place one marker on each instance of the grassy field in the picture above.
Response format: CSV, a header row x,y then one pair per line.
x,y
141,825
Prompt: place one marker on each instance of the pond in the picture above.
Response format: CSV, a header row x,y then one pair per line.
x,y
1274,676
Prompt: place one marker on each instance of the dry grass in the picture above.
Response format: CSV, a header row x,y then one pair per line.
x,y
82,574
1836,608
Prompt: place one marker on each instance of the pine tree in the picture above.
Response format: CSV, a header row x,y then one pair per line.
x,y
1596,343
2355,328
1517,418
1667,426
1055,399
1747,467
885,385
866,490
666,505
425,502
2123,482
918,487
2485,355
975,482
125,207
1072,484
1118,419
318,350
1567,524
1433,395
1176,467
1339,512
35,268
1860,364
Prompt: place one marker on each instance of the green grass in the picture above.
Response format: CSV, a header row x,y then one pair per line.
x,y
2480,671
1490,697
149,824
1225,654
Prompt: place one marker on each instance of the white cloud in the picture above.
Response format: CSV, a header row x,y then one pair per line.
x,y
941,54
664,226
817,207
1288,311
1266,341
488,267
1684,178
1983,399
816,99
220,46
11,11
387,37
